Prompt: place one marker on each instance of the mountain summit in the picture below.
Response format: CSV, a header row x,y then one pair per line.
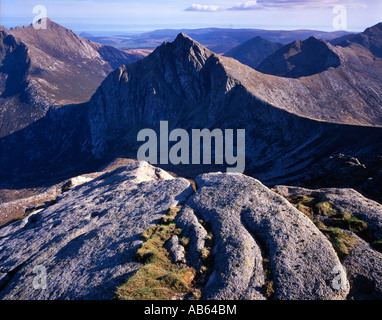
x,y
48,67
301,59
371,39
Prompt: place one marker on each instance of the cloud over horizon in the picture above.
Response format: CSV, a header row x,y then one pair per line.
x,y
279,4
249,5
204,8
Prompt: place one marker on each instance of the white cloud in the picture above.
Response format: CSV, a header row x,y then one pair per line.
x,y
306,4
204,8
249,5
280,4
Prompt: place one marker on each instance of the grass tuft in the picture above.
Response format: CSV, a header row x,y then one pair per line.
x,y
159,278
345,220
325,209
341,241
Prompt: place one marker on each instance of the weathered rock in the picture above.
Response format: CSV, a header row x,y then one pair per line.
x,y
250,239
192,229
247,221
363,266
176,250
87,242
347,200
77,181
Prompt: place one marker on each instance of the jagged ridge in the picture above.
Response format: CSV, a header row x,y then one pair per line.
x,y
189,86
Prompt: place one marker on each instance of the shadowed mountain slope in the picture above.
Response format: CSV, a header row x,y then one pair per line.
x,y
191,87
254,51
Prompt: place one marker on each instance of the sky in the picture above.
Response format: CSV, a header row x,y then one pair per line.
x,y
135,16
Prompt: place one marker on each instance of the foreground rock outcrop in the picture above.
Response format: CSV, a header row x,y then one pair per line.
x,y
357,222
249,222
87,241
243,240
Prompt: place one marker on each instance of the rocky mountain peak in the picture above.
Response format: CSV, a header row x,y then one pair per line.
x,y
301,59
183,47
3,29
371,39
52,66
51,29
376,30
182,37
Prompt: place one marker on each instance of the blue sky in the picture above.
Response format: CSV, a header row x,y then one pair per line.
x,y
132,15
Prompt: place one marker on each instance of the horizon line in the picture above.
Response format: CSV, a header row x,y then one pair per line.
x,y
145,28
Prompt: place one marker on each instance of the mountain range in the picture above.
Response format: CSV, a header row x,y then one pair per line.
x,y
77,207
41,68
218,40
291,123
254,51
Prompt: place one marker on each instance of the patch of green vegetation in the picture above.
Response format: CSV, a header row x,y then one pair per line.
x,y
184,241
206,254
305,204
325,209
341,241
306,200
305,210
311,206
159,278
268,287
345,220
171,215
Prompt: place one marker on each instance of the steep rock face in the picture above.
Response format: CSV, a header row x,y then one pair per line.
x,y
364,269
15,64
87,241
301,59
254,51
174,83
14,98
